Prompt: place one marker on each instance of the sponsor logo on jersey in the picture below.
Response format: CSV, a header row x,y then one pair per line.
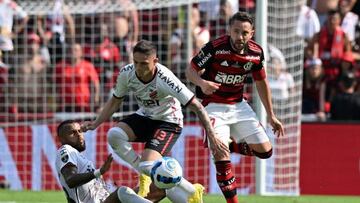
x,y
169,82
64,155
127,68
222,52
248,65
229,78
148,102
252,57
89,168
224,63
64,158
204,58
201,53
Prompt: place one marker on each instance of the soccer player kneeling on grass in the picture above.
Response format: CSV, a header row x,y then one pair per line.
x,y
80,181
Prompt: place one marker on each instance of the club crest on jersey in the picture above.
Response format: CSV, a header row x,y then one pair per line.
x,y
153,94
248,65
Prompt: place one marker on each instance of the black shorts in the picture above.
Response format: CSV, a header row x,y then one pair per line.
x,y
157,135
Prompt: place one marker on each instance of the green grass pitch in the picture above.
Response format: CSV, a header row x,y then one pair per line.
x,y
58,197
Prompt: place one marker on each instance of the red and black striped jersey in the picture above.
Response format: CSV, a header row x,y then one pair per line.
x,y
222,64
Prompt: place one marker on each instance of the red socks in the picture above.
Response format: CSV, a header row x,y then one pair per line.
x,y
226,181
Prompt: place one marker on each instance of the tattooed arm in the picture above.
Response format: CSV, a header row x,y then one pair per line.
x,y
218,148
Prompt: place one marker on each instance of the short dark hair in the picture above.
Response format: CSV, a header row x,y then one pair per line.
x,y
62,125
145,47
241,16
348,79
332,12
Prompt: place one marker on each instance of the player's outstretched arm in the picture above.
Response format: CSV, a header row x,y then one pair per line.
x,y
74,179
263,89
107,111
219,149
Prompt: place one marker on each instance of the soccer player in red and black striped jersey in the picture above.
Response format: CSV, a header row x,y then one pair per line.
x,y
219,71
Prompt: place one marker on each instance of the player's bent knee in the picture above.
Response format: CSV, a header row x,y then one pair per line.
x,y
116,136
263,155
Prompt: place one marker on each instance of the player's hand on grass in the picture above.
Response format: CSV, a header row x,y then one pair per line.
x,y
106,166
209,87
278,128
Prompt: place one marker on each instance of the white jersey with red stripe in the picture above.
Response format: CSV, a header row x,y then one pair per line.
x,y
221,64
93,191
158,99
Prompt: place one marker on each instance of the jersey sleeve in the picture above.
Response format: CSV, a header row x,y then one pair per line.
x,y
171,85
121,87
258,72
67,155
204,58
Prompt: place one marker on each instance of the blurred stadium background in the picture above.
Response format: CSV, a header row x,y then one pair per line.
x,y
66,56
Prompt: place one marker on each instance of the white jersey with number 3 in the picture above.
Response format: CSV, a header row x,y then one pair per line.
x,y
158,99
91,192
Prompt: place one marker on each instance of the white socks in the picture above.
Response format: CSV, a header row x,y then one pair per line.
x,y
119,142
126,194
181,192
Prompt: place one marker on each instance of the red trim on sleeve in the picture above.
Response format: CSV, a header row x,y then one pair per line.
x,y
259,74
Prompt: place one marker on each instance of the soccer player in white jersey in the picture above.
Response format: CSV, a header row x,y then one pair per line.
x,y
158,122
81,182
219,70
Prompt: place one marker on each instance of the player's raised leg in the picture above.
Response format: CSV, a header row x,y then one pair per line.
x,y
119,139
260,150
249,136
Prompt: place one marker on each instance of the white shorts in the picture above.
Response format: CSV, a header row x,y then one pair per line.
x,y
238,121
